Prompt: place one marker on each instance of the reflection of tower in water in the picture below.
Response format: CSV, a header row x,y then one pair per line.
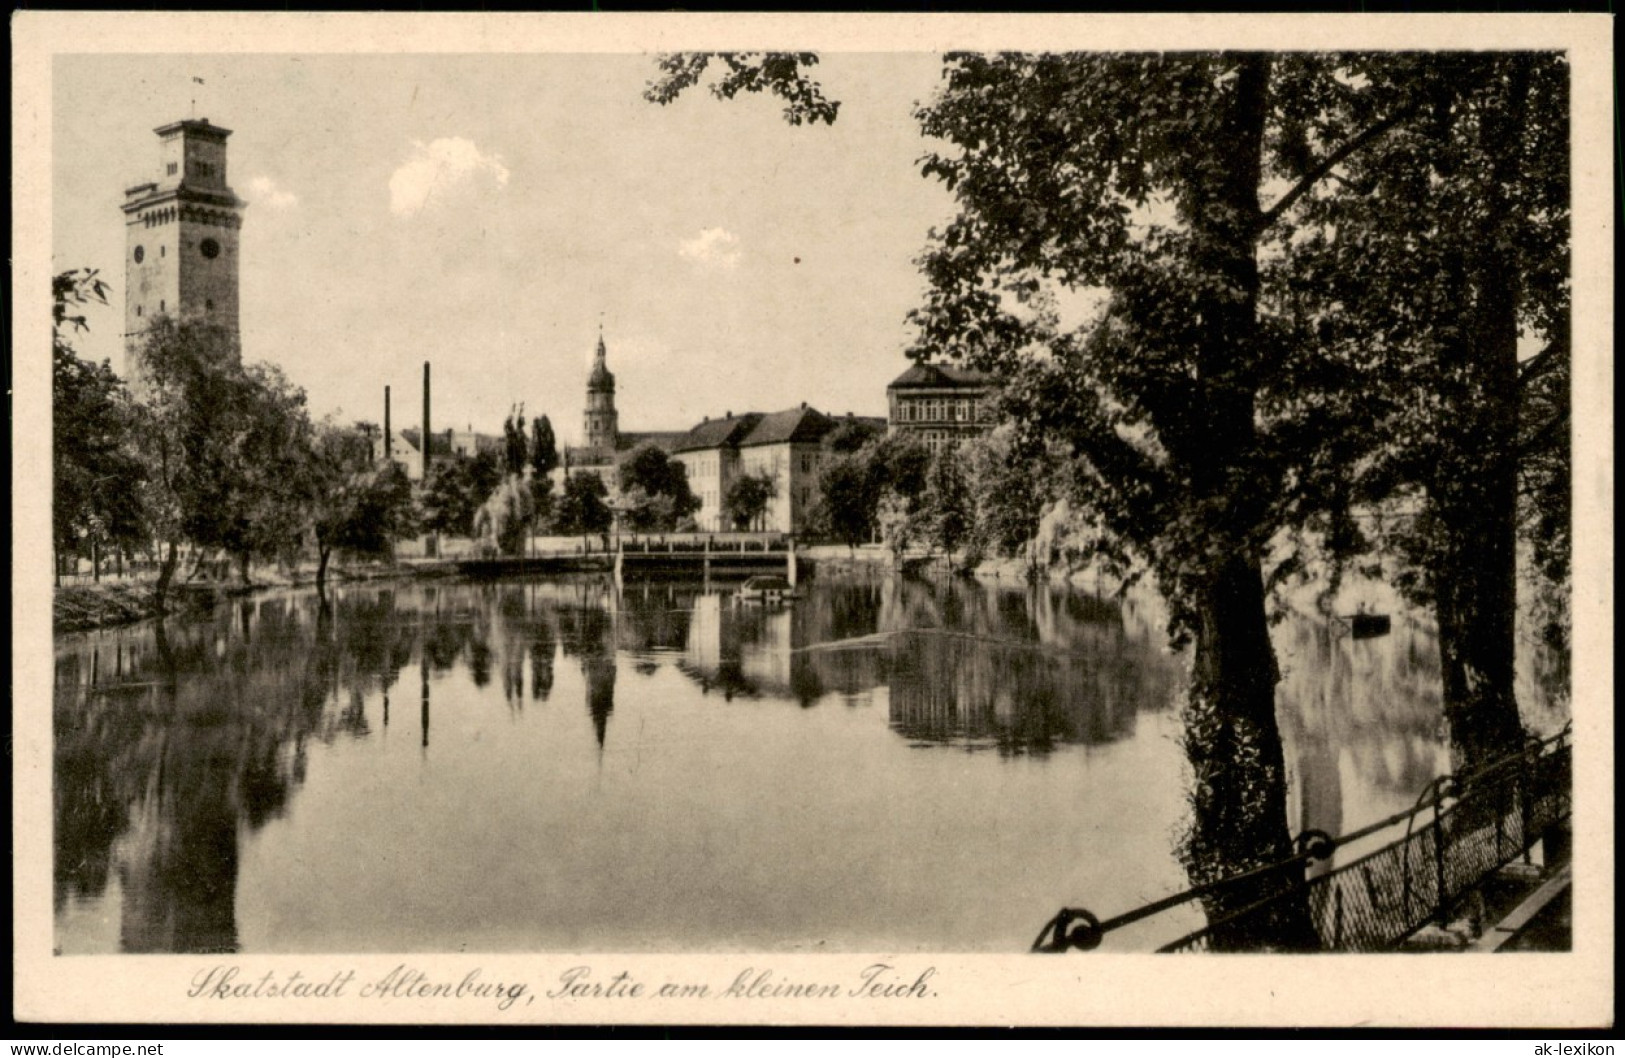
x,y
599,674
178,868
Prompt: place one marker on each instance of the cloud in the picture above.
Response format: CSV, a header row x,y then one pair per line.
x,y
438,168
712,246
265,190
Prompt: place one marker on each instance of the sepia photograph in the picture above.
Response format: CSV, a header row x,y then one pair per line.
x,y
584,521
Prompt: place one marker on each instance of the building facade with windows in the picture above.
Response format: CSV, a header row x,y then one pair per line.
x,y
710,457
940,404
786,447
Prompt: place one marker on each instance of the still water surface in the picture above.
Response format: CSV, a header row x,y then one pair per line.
x,y
886,765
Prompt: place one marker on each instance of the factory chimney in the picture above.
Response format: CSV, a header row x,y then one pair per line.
x,y
425,420
389,447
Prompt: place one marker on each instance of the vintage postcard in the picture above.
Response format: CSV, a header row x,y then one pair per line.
x,y
879,520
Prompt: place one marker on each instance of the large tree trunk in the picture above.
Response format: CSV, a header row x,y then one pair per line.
x,y
1239,798
1231,737
166,574
1474,491
1475,576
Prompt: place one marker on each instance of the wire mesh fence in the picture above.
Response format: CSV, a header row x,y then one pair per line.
x,y
1462,829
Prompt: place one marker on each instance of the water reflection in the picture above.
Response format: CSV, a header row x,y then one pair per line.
x,y
179,745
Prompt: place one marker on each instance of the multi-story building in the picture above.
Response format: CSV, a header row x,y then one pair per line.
x,y
785,447
710,457
181,234
940,404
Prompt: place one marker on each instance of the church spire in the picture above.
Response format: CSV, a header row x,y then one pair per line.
x,y
601,380
602,426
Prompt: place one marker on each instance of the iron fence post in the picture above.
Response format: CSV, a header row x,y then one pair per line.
x,y
1500,819
1440,902
1526,808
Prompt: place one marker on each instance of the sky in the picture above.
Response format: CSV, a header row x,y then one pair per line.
x,y
488,212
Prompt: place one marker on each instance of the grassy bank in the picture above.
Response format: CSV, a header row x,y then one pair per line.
x,y
81,607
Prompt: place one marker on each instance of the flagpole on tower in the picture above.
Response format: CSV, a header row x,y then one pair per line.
x,y
195,81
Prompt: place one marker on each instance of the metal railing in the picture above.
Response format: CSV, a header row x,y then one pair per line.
x,y
1461,829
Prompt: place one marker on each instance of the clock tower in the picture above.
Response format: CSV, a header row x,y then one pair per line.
x,y
182,234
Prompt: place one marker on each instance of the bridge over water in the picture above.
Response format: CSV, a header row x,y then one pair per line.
x,y
698,555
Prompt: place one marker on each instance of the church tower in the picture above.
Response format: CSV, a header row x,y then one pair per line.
x,y
182,234
601,426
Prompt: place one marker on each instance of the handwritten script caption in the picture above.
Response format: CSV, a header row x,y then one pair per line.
x,y
409,983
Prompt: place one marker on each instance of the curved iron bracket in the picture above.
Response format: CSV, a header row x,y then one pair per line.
x,y
1070,928
1315,845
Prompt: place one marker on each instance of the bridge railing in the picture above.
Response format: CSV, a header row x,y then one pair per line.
x,y
697,543
1461,829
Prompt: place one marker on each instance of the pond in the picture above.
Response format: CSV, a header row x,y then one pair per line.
x,y
885,764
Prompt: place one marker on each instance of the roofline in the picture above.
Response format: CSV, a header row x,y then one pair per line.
x,y
200,125
226,200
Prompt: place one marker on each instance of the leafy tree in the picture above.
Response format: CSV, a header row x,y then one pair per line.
x,y
542,501
457,488
1009,488
190,388
900,462
544,451
898,466
848,499
747,499
506,516
1450,242
359,508
70,291
655,489
1181,190
645,513
96,474
848,436
779,73
947,502
484,475
270,490
514,448
898,522
1162,180
583,507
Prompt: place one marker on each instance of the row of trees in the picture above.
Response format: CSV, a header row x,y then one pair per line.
x,y
206,451
970,501
1320,277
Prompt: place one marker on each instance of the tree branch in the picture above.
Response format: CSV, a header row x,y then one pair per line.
x,y
1330,162
1542,438
1540,362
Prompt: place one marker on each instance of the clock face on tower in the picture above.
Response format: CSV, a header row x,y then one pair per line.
x,y
209,248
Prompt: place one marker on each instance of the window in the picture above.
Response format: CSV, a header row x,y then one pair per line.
x,y
172,168
138,310
208,305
